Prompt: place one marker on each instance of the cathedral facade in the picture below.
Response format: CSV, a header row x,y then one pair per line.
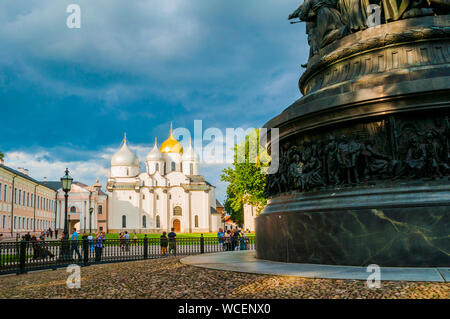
x,y
169,193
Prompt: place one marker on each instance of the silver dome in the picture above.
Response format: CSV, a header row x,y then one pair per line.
x,y
155,154
124,157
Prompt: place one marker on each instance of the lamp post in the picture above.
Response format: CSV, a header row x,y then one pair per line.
x,y
66,182
90,219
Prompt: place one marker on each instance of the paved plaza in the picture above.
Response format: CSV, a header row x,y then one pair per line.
x,y
246,261
169,278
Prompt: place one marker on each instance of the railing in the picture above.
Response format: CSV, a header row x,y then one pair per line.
x,y
20,257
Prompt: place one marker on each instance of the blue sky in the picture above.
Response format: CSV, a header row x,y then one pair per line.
x,y
68,95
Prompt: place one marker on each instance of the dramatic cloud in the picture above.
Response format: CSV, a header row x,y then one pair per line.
x,y
136,65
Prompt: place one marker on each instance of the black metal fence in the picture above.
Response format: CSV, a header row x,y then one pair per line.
x,y
23,256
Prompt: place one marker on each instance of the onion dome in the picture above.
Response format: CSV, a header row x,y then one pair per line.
x,y
171,145
189,154
154,154
124,157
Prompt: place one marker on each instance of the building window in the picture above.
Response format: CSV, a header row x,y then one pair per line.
x,y
144,221
158,222
100,209
20,196
177,211
172,164
124,221
143,196
0,191
157,167
73,210
5,193
196,221
101,228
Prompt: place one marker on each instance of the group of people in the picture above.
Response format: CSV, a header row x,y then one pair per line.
x,y
95,244
168,240
231,240
124,240
39,245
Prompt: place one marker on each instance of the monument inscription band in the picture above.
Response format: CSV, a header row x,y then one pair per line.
x,y
365,154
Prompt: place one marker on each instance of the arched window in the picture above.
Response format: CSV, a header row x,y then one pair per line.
x,y
144,221
100,209
157,167
73,209
172,166
191,169
196,221
177,211
158,223
124,221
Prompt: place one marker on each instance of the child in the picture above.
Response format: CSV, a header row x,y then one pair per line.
x,y
164,243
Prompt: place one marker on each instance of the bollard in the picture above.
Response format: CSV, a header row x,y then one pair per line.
x,y
145,247
202,244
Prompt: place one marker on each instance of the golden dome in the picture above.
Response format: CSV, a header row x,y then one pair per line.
x,y
171,145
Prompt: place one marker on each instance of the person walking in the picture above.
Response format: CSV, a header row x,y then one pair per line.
x,y
74,248
126,238
91,242
228,240
98,246
164,241
236,240
135,239
36,247
121,241
221,238
172,241
27,237
242,242
56,233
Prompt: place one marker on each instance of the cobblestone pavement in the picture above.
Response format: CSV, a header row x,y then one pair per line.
x,y
168,278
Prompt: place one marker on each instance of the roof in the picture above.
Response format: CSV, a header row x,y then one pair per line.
x,y
53,185
228,219
218,204
56,185
25,176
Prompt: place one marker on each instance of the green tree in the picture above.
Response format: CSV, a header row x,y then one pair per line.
x,y
1,155
246,178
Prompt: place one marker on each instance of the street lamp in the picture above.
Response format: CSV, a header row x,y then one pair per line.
x,y
66,182
90,219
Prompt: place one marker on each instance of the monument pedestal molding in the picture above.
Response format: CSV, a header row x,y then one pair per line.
x,y
364,154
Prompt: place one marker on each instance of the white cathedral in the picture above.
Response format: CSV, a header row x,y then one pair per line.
x,y
170,193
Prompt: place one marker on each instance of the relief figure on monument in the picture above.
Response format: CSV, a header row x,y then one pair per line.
x,y
324,23
354,13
